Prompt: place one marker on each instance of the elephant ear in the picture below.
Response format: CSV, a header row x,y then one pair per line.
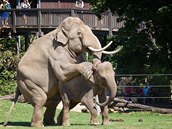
x,y
61,37
92,80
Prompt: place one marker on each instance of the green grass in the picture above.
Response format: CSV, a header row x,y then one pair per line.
x,y
21,117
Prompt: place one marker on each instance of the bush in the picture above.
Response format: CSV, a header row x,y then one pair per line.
x,y
8,64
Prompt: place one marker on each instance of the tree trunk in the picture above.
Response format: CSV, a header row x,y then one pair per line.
x,y
121,103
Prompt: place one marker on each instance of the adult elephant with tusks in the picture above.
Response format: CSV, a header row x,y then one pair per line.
x,y
36,80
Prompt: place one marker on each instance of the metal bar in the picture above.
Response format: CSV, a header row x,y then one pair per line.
x,y
155,97
137,86
127,75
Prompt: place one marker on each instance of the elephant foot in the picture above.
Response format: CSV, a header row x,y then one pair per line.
x,y
94,122
33,124
66,124
49,122
59,122
105,122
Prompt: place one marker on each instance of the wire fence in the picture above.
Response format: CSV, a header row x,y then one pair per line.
x,y
152,89
160,87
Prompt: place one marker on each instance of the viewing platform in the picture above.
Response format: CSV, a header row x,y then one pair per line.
x,y
42,21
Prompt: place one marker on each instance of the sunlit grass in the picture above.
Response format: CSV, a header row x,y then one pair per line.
x,y
21,117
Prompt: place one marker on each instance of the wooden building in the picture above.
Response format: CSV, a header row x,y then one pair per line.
x,y
45,15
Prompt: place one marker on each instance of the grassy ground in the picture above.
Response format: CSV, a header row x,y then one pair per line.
x,y
21,116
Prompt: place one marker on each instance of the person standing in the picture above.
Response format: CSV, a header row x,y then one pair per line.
x,y
128,91
5,15
79,4
25,5
1,5
146,93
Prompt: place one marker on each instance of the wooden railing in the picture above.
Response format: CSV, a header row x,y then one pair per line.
x,y
47,18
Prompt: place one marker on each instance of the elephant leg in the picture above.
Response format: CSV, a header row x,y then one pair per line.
x,y
88,102
105,119
65,119
37,117
50,111
37,113
60,116
37,97
66,104
104,110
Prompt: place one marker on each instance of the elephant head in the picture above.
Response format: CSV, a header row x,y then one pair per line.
x,y
104,77
78,38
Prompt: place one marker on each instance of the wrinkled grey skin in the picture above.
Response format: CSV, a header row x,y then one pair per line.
x,y
78,89
35,76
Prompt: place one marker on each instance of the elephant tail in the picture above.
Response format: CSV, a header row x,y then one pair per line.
x,y
17,94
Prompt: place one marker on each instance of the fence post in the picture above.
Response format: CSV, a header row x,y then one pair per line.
x,y
72,13
110,22
14,21
39,23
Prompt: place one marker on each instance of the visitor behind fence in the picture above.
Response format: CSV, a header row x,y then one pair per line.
x,y
25,5
139,94
128,92
1,5
5,15
146,93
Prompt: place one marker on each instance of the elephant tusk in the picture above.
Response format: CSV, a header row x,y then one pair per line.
x,y
101,49
119,48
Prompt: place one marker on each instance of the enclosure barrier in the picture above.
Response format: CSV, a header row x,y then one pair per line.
x,y
161,85
158,95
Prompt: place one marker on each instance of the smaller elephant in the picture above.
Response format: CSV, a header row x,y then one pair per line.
x,y
81,90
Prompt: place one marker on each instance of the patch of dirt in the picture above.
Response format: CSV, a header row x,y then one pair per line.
x,y
78,108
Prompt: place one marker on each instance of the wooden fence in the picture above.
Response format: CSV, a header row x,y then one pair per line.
x,y
51,18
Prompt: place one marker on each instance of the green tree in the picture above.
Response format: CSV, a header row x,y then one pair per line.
x,y
8,64
146,35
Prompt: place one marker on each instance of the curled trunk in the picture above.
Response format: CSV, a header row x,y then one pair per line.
x,y
113,90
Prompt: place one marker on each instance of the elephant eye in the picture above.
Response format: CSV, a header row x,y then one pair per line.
x,y
103,81
80,34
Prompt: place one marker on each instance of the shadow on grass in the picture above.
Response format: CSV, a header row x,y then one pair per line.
x,y
79,124
27,124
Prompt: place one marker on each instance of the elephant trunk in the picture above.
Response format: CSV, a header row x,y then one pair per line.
x,y
113,89
96,56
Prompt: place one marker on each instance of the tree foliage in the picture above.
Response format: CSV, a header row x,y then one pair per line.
x,y
8,64
146,35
